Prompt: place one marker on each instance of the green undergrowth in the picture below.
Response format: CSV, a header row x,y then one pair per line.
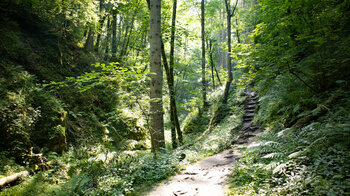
x,y
99,170
312,159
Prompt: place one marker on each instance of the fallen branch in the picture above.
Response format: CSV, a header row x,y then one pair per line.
x,y
12,178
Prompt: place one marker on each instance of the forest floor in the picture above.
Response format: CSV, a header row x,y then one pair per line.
x,y
210,176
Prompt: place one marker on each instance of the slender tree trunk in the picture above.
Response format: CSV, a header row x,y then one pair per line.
x,y
211,62
101,22
229,65
128,33
204,88
108,37
156,104
171,77
98,38
114,35
217,75
237,32
89,44
173,110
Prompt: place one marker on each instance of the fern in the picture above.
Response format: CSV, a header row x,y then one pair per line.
x,y
274,155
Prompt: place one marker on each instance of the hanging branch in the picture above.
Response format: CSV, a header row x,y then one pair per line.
x,y
299,78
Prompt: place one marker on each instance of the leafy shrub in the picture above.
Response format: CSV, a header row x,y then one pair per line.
x,y
50,129
311,160
17,114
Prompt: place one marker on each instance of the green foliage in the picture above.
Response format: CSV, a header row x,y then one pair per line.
x,y
100,170
32,186
50,129
17,113
306,39
310,160
131,172
8,165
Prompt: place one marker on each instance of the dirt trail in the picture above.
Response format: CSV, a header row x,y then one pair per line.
x,y
209,176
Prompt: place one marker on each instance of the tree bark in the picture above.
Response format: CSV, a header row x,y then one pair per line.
x,y
229,66
89,44
108,37
14,177
237,32
101,22
156,104
98,38
171,76
114,35
211,62
217,75
126,40
173,111
204,88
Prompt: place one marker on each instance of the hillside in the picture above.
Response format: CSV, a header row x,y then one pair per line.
x,y
114,97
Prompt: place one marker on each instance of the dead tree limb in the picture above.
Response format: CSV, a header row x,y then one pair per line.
x,y
13,177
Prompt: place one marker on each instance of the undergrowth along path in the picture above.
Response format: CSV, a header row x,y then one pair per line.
x,y
210,176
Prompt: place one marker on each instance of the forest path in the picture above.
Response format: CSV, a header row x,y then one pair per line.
x,y
210,176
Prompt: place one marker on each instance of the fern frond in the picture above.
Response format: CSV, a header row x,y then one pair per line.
x,y
295,154
274,155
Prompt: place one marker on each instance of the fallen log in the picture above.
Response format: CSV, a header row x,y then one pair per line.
x,y
13,177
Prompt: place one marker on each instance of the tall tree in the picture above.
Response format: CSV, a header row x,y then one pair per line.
x,y
89,44
175,125
204,84
102,20
210,47
114,35
156,104
108,37
173,109
128,31
229,14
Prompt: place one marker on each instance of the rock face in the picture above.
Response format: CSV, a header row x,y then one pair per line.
x,y
209,176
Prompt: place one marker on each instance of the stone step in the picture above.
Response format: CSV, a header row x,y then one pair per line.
x,y
251,102
250,129
252,99
250,110
247,119
240,141
249,114
250,106
250,94
246,125
249,134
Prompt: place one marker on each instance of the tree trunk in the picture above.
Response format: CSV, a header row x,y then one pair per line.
x,y
127,35
89,44
204,88
14,177
98,38
211,62
101,22
173,109
229,65
237,32
217,74
108,37
114,35
156,104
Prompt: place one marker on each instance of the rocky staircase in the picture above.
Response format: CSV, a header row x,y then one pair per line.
x,y
248,129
